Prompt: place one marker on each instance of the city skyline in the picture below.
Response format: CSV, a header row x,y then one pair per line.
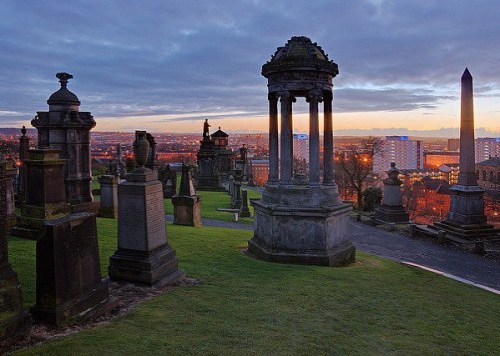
x,y
165,67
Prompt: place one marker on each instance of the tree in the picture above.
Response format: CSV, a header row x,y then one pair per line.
x,y
372,196
354,167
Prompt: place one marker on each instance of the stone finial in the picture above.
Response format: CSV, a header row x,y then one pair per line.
x,y
63,78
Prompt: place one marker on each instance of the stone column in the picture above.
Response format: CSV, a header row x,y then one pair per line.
x,y
286,148
273,139
24,146
467,175
8,172
313,98
328,140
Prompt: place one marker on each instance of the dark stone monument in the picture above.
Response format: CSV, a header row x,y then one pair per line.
x,y
109,196
168,177
9,172
208,177
392,209
187,204
66,128
143,255
466,219
45,200
224,156
14,321
24,146
122,171
152,161
301,223
68,279
244,210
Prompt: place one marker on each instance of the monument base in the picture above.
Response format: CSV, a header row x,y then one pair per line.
x,y
187,210
302,235
15,322
391,214
68,278
154,268
110,213
470,232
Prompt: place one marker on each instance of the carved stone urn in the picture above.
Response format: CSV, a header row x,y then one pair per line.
x,y
141,150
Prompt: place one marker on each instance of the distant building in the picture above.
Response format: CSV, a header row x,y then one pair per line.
x,y
408,154
487,147
260,171
488,173
433,159
453,144
301,146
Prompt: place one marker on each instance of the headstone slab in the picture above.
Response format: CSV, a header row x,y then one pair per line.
x,y
187,210
69,283
8,173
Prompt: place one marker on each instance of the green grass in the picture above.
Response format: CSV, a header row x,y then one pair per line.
x,y
245,306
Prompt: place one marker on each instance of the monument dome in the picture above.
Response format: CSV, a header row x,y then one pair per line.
x,y
63,97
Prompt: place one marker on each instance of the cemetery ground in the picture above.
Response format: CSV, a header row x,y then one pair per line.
x,y
246,306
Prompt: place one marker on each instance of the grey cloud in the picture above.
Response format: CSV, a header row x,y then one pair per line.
x,y
161,57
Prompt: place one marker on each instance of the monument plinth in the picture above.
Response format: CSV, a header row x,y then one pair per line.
x,y
8,172
301,223
466,218
109,196
143,255
392,209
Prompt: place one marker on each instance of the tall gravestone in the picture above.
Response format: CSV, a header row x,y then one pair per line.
x,y
168,177
207,177
143,255
66,128
109,196
466,218
301,223
68,277
9,174
14,321
24,146
187,205
392,209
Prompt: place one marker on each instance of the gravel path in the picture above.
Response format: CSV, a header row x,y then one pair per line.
x,y
402,248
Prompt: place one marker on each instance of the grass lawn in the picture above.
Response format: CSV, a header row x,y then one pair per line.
x,y
245,306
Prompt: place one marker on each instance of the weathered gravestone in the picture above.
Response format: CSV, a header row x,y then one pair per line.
x,y
244,209
68,278
143,255
14,321
9,173
187,204
109,196
168,177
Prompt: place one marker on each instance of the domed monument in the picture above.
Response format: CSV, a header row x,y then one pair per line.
x,y
306,223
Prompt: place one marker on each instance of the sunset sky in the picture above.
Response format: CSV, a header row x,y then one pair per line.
x,y
165,66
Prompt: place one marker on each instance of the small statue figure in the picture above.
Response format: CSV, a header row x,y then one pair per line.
x,y
206,125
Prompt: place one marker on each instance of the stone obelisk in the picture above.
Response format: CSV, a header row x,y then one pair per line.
x,y
466,218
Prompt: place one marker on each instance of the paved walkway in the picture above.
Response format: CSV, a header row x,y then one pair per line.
x,y
402,248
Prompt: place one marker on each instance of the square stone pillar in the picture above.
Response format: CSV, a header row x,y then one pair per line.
x,y
143,255
109,196
7,174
